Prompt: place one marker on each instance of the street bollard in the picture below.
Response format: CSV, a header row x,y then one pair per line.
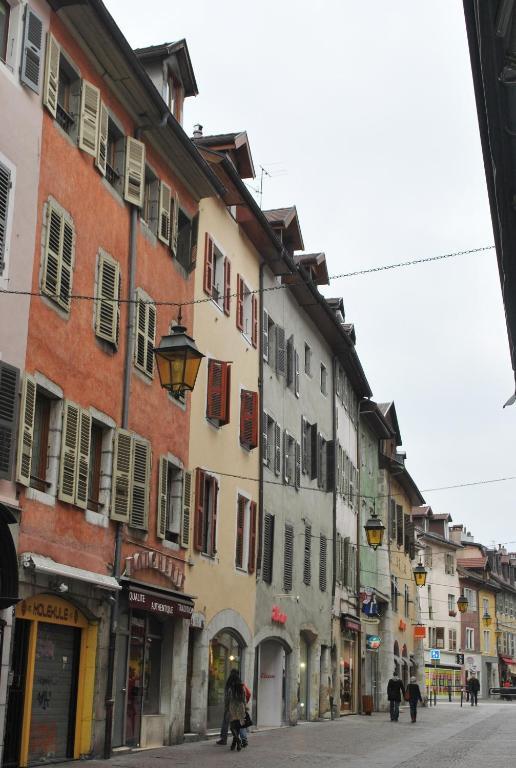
x,y
429,696
461,696
435,697
449,693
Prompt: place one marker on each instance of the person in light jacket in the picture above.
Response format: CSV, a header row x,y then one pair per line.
x,y
395,690
414,696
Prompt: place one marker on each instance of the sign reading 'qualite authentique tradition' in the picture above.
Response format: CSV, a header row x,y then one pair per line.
x,y
163,606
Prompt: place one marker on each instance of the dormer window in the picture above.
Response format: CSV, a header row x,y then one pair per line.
x,y
176,97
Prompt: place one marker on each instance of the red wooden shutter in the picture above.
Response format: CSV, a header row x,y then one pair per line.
x,y
219,376
254,306
226,382
239,548
213,515
252,538
240,304
227,285
199,510
208,265
254,419
249,418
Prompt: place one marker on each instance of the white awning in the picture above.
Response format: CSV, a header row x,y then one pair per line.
x,y
43,564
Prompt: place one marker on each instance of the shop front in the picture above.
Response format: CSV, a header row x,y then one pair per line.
x,y
152,639
350,631
443,680
225,653
507,668
271,673
50,710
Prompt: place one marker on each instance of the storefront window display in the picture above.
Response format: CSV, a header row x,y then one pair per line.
x,y
440,680
225,654
143,674
347,672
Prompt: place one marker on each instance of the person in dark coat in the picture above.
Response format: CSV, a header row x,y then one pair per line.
x,y
224,728
414,696
395,690
473,688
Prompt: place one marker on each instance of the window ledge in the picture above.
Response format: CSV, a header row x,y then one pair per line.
x,y
170,545
96,518
217,305
41,496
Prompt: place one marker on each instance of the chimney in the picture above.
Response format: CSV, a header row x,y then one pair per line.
x,y
197,131
456,533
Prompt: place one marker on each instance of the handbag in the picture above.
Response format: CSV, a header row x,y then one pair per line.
x,y
247,721
406,696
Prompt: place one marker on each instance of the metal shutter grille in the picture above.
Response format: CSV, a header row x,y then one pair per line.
x,y
268,547
322,564
307,556
288,557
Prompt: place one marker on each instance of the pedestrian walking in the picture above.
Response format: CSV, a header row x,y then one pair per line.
x,y
224,728
473,687
395,690
237,711
414,696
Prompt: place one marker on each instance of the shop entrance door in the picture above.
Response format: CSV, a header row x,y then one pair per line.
x,y
135,681
189,673
54,693
271,684
13,724
304,676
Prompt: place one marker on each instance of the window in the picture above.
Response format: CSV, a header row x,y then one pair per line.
x,y
288,557
268,338
394,593
346,561
9,384
151,200
218,393
107,307
308,360
217,275
271,443
471,597
322,462
281,356
399,525
406,601
131,479
268,548
5,10
427,557
205,523
68,96
5,213
451,604
292,366
432,641
470,639
306,447
449,563
58,256
487,641
485,606
247,311
114,156
291,461
174,499
245,534
186,238
95,457
323,549
249,419
145,333
452,639
39,437
392,519
307,556
324,382
439,637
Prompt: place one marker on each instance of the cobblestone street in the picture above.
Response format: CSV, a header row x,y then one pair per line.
x,y
444,737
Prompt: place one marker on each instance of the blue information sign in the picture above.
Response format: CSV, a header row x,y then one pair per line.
x,y
435,654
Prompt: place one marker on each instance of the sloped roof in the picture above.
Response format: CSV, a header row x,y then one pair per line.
x,y
389,412
472,562
180,50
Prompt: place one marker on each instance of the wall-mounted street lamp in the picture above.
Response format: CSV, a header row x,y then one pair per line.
x,y
420,574
178,361
486,618
374,529
462,604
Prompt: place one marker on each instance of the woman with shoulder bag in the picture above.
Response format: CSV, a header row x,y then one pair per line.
x,y
237,710
413,695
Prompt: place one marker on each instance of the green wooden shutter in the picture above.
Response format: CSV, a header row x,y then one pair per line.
x,y
51,81
83,460
9,385
89,118
68,460
187,503
26,430
162,498
139,511
122,476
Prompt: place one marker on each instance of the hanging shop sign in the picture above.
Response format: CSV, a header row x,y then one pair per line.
x,y
277,615
373,642
151,560
419,632
197,620
163,606
402,625
351,623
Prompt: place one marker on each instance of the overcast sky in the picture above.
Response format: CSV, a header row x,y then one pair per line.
x,y
364,115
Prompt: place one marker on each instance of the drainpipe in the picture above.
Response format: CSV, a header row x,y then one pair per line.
x,y
260,476
334,522
357,581
119,529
